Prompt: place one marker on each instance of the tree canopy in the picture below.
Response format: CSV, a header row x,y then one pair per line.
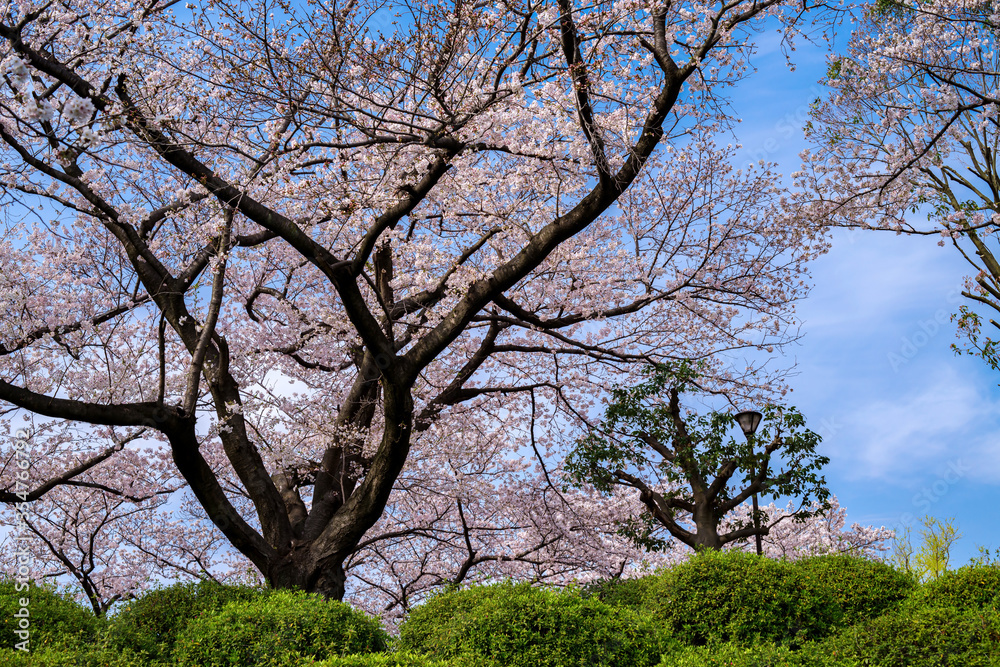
x,y
907,139
689,470
324,268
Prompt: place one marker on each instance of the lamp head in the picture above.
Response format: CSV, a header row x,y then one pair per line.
x,y
748,421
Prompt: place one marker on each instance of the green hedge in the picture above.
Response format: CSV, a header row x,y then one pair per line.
x,y
743,598
969,587
107,657
276,630
729,609
405,659
736,655
54,619
619,592
927,637
920,637
149,625
863,588
517,625
69,656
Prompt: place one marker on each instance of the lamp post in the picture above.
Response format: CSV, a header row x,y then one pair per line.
x,y
749,421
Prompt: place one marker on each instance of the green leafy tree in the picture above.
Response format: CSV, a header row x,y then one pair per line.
x,y
935,551
902,551
986,558
689,470
931,560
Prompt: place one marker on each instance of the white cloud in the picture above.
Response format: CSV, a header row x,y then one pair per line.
x,y
873,280
949,417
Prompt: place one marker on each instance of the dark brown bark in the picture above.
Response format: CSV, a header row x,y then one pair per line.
x,y
296,546
297,570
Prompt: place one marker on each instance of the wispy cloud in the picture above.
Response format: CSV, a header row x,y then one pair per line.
x,y
901,437
878,278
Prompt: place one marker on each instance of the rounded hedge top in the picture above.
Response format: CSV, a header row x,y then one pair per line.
x,y
740,597
150,624
969,587
277,630
53,618
518,625
863,588
919,637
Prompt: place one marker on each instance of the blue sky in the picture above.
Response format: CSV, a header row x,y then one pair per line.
x,y
910,428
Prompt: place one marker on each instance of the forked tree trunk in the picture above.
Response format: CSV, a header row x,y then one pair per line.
x,y
706,529
298,572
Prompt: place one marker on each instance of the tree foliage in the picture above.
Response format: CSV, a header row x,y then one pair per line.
x,y
909,132
314,268
689,470
929,559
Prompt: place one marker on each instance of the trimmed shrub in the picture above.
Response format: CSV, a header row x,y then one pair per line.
x,y
279,629
13,658
619,592
863,588
55,618
736,655
969,587
383,660
733,596
149,625
72,657
920,637
114,658
517,625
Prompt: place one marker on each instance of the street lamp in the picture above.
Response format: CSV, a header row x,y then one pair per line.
x,y
749,421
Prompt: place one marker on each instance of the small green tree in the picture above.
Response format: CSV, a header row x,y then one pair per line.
x,y
689,470
902,550
931,560
935,550
986,558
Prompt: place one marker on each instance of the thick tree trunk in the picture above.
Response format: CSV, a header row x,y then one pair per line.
x,y
297,571
706,529
317,565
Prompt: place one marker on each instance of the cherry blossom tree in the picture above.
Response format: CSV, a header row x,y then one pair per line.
x,y
516,528
824,532
910,132
322,259
593,549
105,529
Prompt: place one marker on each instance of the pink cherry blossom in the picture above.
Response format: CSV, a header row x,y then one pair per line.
x,y
341,283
